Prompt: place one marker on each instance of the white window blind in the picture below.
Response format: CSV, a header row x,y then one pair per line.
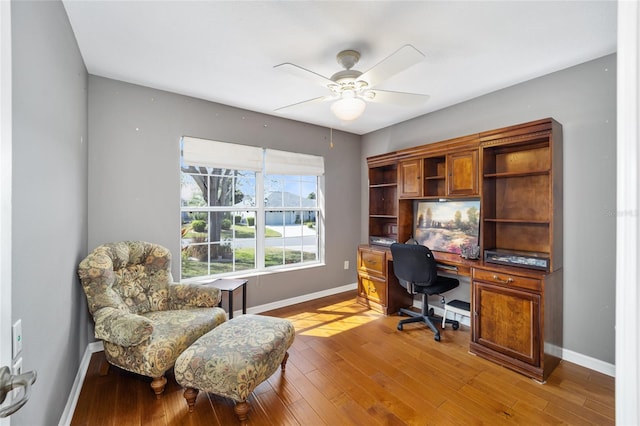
x,y
207,153
291,163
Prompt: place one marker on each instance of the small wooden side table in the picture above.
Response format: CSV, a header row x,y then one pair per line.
x,y
230,285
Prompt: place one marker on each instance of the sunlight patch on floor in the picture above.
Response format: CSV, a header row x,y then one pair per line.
x,y
332,320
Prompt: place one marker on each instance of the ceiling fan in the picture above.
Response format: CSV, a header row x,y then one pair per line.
x,y
349,88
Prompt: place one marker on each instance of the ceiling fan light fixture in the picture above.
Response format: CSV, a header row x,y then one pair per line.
x,y
348,108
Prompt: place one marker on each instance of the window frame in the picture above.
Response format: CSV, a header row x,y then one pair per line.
x,y
260,210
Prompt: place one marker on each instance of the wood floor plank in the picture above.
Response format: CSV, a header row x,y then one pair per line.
x,y
305,414
277,411
395,404
533,415
605,410
496,382
323,407
351,366
282,386
344,377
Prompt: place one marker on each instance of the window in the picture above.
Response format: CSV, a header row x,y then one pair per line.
x,y
247,209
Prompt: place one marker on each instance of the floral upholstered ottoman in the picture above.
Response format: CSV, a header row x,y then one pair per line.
x,y
234,358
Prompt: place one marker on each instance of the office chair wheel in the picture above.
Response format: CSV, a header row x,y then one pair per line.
x,y
455,325
436,337
400,327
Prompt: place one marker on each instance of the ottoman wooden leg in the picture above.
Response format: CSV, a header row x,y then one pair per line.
x,y
283,364
190,394
241,409
157,384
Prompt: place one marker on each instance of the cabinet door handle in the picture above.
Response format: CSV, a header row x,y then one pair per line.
x,y
507,281
372,289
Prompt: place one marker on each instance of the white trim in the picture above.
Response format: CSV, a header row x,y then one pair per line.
x,y
589,362
298,299
627,327
70,408
5,186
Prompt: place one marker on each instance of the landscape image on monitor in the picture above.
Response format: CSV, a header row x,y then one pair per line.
x,y
445,226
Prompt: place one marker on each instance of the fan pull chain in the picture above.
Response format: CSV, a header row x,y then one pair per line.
x,y
331,138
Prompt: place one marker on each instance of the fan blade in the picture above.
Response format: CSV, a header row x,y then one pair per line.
x,y
400,60
307,102
398,98
304,73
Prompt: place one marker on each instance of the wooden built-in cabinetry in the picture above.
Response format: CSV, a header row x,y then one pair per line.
x,y
517,318
516,172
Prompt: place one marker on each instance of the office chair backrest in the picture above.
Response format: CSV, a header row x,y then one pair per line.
x,y
414,264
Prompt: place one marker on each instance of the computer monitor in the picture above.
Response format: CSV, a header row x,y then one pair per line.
x,y
447,225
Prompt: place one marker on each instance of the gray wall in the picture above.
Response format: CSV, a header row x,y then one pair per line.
x,y
49,203
134,175
583,100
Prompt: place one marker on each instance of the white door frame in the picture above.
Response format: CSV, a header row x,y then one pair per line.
x,y
5,187
628,216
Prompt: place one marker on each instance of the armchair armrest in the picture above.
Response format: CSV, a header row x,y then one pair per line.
x,y
184,296
121,328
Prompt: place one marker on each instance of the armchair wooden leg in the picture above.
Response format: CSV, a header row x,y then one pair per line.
x,y
157,384
190,394
283,364
241,409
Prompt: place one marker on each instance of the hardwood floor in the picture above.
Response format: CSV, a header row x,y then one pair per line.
x,y
350,366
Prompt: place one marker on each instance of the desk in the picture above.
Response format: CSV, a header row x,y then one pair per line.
x,y
230,286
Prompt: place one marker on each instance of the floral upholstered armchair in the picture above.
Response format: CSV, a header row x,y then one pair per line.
x,y
145,320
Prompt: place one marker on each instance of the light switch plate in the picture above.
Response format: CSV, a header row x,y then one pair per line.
x,y
17,367
17,338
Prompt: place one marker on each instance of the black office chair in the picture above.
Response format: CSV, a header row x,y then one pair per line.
x,y
415,267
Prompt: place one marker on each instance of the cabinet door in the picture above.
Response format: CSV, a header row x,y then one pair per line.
x,y
462,173
507,321
410,178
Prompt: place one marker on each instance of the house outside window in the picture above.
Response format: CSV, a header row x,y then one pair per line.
x,y
246,209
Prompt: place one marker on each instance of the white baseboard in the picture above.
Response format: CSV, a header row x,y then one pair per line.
x,y
69,409
298,299
588,362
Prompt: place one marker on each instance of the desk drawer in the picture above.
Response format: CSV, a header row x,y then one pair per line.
x,y
372,288
372,261
508,280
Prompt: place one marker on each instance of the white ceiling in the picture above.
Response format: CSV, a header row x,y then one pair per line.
x,y
225,51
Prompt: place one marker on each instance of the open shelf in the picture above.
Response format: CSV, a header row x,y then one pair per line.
x,y
524,221
383,201
516,174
